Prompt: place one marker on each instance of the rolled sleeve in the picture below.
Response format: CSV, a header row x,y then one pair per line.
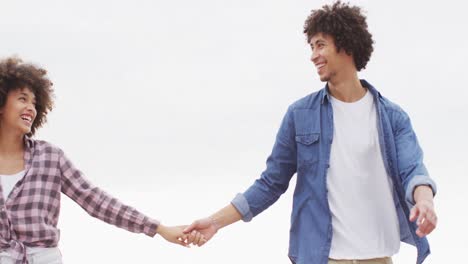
x,y
242,206
416,181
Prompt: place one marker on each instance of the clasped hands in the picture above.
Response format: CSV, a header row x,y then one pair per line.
x,y
198,233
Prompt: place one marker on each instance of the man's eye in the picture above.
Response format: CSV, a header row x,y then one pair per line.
x,y
22,99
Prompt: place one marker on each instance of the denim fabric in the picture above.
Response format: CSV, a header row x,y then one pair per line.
x,y
303,146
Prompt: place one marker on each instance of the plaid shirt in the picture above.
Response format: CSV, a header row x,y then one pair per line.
x,y
30,214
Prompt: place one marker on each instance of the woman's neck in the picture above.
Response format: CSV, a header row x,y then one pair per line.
x,y
11,143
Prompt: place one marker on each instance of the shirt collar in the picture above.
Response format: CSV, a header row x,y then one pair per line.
x,y
326,93
28,141
28,152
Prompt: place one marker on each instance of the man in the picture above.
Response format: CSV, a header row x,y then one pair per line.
x,y
361,182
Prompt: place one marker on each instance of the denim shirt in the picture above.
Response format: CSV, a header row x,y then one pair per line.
x,y
303,145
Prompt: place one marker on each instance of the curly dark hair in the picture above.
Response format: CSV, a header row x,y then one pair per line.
x,y
348,28
15,74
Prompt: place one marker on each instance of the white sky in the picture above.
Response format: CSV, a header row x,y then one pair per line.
x,y
173,106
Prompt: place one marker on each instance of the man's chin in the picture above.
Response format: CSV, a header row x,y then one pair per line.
x,y
324,78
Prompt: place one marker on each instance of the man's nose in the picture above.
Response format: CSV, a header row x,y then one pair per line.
x,y
314,56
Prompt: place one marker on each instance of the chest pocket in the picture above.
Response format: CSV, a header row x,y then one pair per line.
x,y
308,148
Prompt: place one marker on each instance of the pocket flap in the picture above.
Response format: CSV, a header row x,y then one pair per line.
x,y
307,139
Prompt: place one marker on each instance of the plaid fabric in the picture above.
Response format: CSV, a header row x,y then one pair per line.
x,y
30,214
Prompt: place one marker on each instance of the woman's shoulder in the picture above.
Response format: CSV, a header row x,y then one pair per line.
x,y
43,146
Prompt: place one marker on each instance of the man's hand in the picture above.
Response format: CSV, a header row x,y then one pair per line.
x,y
207,227
423,211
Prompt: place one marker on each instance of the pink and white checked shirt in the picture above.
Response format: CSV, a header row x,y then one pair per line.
x,y
30,214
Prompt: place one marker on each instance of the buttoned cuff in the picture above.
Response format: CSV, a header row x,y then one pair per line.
x,y
242,206
416,181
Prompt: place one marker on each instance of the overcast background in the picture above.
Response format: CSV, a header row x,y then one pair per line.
x,y
173,107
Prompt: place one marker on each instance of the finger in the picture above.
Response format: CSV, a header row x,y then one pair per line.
x,y
430,229
421,217
423,226
202,238
191,227
427,226
422,230
419,233
196,241
413,214
203,241
431,216
191,237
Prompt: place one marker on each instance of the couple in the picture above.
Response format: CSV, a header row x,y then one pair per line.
x,y
361,185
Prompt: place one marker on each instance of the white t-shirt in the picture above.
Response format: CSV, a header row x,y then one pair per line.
x,y
364,218
9,181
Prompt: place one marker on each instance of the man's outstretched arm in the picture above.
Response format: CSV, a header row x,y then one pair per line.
x,y
274,181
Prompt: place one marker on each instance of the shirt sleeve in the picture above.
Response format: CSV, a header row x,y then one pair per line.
x,y
274,181
101,205
412,170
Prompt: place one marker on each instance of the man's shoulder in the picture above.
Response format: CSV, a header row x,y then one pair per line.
x,y
386,104
310,101
392,108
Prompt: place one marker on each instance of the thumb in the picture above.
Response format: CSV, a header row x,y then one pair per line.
x,y
414,213
191,227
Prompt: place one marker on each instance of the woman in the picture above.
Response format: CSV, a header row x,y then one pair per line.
x,y
33,173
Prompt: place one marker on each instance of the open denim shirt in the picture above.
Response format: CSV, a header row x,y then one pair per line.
x,y
303,145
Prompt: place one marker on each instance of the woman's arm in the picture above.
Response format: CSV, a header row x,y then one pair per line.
x,y
103,206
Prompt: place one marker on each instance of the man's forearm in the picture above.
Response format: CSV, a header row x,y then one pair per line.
x,y
226,216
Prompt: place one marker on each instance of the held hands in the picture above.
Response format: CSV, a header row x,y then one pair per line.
x,y
175,234
209,226
206,227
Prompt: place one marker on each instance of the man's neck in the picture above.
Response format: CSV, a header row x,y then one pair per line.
x,y
347,88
